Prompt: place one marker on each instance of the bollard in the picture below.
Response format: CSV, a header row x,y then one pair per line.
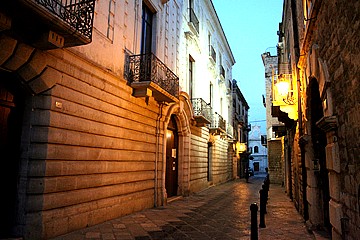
x,y
262,209
263,198
267,179
254,227
266,193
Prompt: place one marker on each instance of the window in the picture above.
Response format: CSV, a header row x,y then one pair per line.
x,y
212,52
191,76
256,149
192,16
111,20
146,35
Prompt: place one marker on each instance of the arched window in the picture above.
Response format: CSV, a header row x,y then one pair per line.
x,y
256,149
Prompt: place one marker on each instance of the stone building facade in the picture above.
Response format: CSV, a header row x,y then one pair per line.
x,y
275,129
258,150
99,111
242,128
318,42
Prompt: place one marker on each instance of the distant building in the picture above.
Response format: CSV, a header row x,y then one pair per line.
x,y
274,128
241,127
258,150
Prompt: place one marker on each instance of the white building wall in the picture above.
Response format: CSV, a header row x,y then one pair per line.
x,y
255,141
206,71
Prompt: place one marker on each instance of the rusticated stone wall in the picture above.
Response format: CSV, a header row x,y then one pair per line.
x,y
275,161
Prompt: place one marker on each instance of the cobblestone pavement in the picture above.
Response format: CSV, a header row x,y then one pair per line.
x,y
221,212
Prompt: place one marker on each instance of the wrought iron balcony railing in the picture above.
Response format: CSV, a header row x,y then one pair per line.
x,y
49,24
217,122
202,111
147,71
222,71
194,20
79,14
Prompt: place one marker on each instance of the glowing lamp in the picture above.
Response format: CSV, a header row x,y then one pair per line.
x,y
241,147
282,86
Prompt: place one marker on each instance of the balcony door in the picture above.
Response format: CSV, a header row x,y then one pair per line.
x,y
171,175
191,77
146,34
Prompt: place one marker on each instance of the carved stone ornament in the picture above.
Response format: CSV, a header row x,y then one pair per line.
x,y
327,124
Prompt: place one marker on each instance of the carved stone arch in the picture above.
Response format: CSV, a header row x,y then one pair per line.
x,y
317,69
31,66
183,117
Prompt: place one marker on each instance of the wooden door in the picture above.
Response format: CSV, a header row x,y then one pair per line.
x,y
171,176
10,129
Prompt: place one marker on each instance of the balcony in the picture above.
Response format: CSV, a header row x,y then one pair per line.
x,y
202,111
212,54
218,124
194,22
148,76
222,72
241,119
49,24
230,131
264,140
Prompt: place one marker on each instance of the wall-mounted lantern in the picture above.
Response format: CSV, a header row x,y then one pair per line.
x,y
284,94
282,86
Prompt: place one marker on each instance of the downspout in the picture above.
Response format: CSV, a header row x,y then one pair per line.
x,y
157,152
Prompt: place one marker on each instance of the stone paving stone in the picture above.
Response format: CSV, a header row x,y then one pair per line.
x,y
92,235
220,212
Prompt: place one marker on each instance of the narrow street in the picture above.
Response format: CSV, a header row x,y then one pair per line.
x,y
221,212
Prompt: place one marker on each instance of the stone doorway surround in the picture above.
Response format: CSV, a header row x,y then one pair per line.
x,y
184,117
316,68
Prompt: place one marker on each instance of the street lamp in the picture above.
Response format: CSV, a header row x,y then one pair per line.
x,y
283,91
282,86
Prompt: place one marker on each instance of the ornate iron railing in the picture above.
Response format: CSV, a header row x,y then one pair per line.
x,y
218,122
194,19
79,14
147,67
201,108
222,71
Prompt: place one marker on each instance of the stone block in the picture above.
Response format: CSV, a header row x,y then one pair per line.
x,y
334,186
332,157
45,81
22,54
34,68
7,47
335,215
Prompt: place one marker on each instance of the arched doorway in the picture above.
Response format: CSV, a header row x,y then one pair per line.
x,y
319,143
171,175
11,114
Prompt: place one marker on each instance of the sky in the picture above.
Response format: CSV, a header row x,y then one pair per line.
x,y
250,27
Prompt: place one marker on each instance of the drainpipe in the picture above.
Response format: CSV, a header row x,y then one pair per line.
x,y
157,151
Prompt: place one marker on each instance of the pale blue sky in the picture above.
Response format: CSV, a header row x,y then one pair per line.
x,y
250,27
